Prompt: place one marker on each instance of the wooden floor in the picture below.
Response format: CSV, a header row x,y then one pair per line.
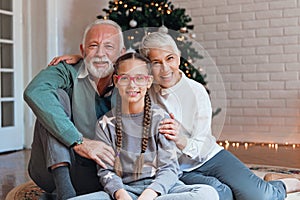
x,y
13,165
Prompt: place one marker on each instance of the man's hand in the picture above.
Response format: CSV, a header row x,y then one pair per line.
x,y
148,194
172,131
70,59
98,151
122,195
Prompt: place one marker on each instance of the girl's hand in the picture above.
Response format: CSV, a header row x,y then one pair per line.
x,y
122,195
70,59
148,194
171,130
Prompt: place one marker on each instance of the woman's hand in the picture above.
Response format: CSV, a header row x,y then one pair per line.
x,y
172,131
148,194
122,194
70,59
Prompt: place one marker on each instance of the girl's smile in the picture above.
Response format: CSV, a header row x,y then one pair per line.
x,y
133,81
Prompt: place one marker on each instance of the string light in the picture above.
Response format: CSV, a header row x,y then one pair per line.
x,y
226,144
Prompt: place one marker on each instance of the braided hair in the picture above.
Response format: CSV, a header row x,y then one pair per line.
x,y
146,122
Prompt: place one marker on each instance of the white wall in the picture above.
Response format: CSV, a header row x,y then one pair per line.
x,y
34,52
73,17
52,28
255,44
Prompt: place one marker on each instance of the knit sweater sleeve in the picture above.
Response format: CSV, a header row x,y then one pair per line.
x,y
110,181
167,164
41,96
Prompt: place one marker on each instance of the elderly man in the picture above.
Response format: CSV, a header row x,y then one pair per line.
x,y
67,101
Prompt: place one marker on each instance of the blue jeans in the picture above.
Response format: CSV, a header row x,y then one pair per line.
x,y
179,191
224,172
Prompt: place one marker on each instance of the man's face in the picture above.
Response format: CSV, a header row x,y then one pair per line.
x,y
100,50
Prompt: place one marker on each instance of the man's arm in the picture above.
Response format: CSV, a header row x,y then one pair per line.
x,y
41,96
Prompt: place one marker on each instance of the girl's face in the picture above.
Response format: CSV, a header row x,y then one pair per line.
x,y
132,81
165,66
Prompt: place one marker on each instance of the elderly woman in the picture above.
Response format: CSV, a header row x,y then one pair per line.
x,y
201,159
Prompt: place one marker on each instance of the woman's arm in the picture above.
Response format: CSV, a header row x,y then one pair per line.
x,y
173,130
69,59
197,142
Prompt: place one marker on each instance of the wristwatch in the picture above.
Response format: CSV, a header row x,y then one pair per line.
x,y
77,142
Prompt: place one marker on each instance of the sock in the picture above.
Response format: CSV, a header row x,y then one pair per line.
x,y
291,184
48,196
62,179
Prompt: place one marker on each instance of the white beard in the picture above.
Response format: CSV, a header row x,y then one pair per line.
x,y
99,72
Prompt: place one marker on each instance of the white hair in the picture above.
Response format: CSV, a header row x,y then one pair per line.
x,y
108,22
157,40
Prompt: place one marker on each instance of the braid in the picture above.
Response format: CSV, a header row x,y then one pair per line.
x,y
118,164
146,129
146,122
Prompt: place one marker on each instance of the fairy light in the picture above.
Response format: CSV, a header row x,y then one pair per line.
x,y
272,146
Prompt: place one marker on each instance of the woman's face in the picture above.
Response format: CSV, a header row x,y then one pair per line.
x,y
132,81
165,66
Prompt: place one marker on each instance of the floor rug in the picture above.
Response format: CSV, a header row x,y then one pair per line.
x,y
261,170
29,191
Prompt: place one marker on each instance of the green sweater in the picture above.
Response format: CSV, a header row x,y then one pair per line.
x,y
86,105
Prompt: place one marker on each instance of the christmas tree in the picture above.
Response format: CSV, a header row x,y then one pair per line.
x,y
154,15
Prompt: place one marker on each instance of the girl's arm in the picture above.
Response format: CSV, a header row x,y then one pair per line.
x,y
122,194
110,181
148,194
167,167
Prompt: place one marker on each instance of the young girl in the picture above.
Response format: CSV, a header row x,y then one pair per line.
x,y
146,165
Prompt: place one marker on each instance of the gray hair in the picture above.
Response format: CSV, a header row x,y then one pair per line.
x,y
108,22
157,40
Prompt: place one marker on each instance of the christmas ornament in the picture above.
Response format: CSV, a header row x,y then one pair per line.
x,y
193,35
183,29
163,29
133,23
